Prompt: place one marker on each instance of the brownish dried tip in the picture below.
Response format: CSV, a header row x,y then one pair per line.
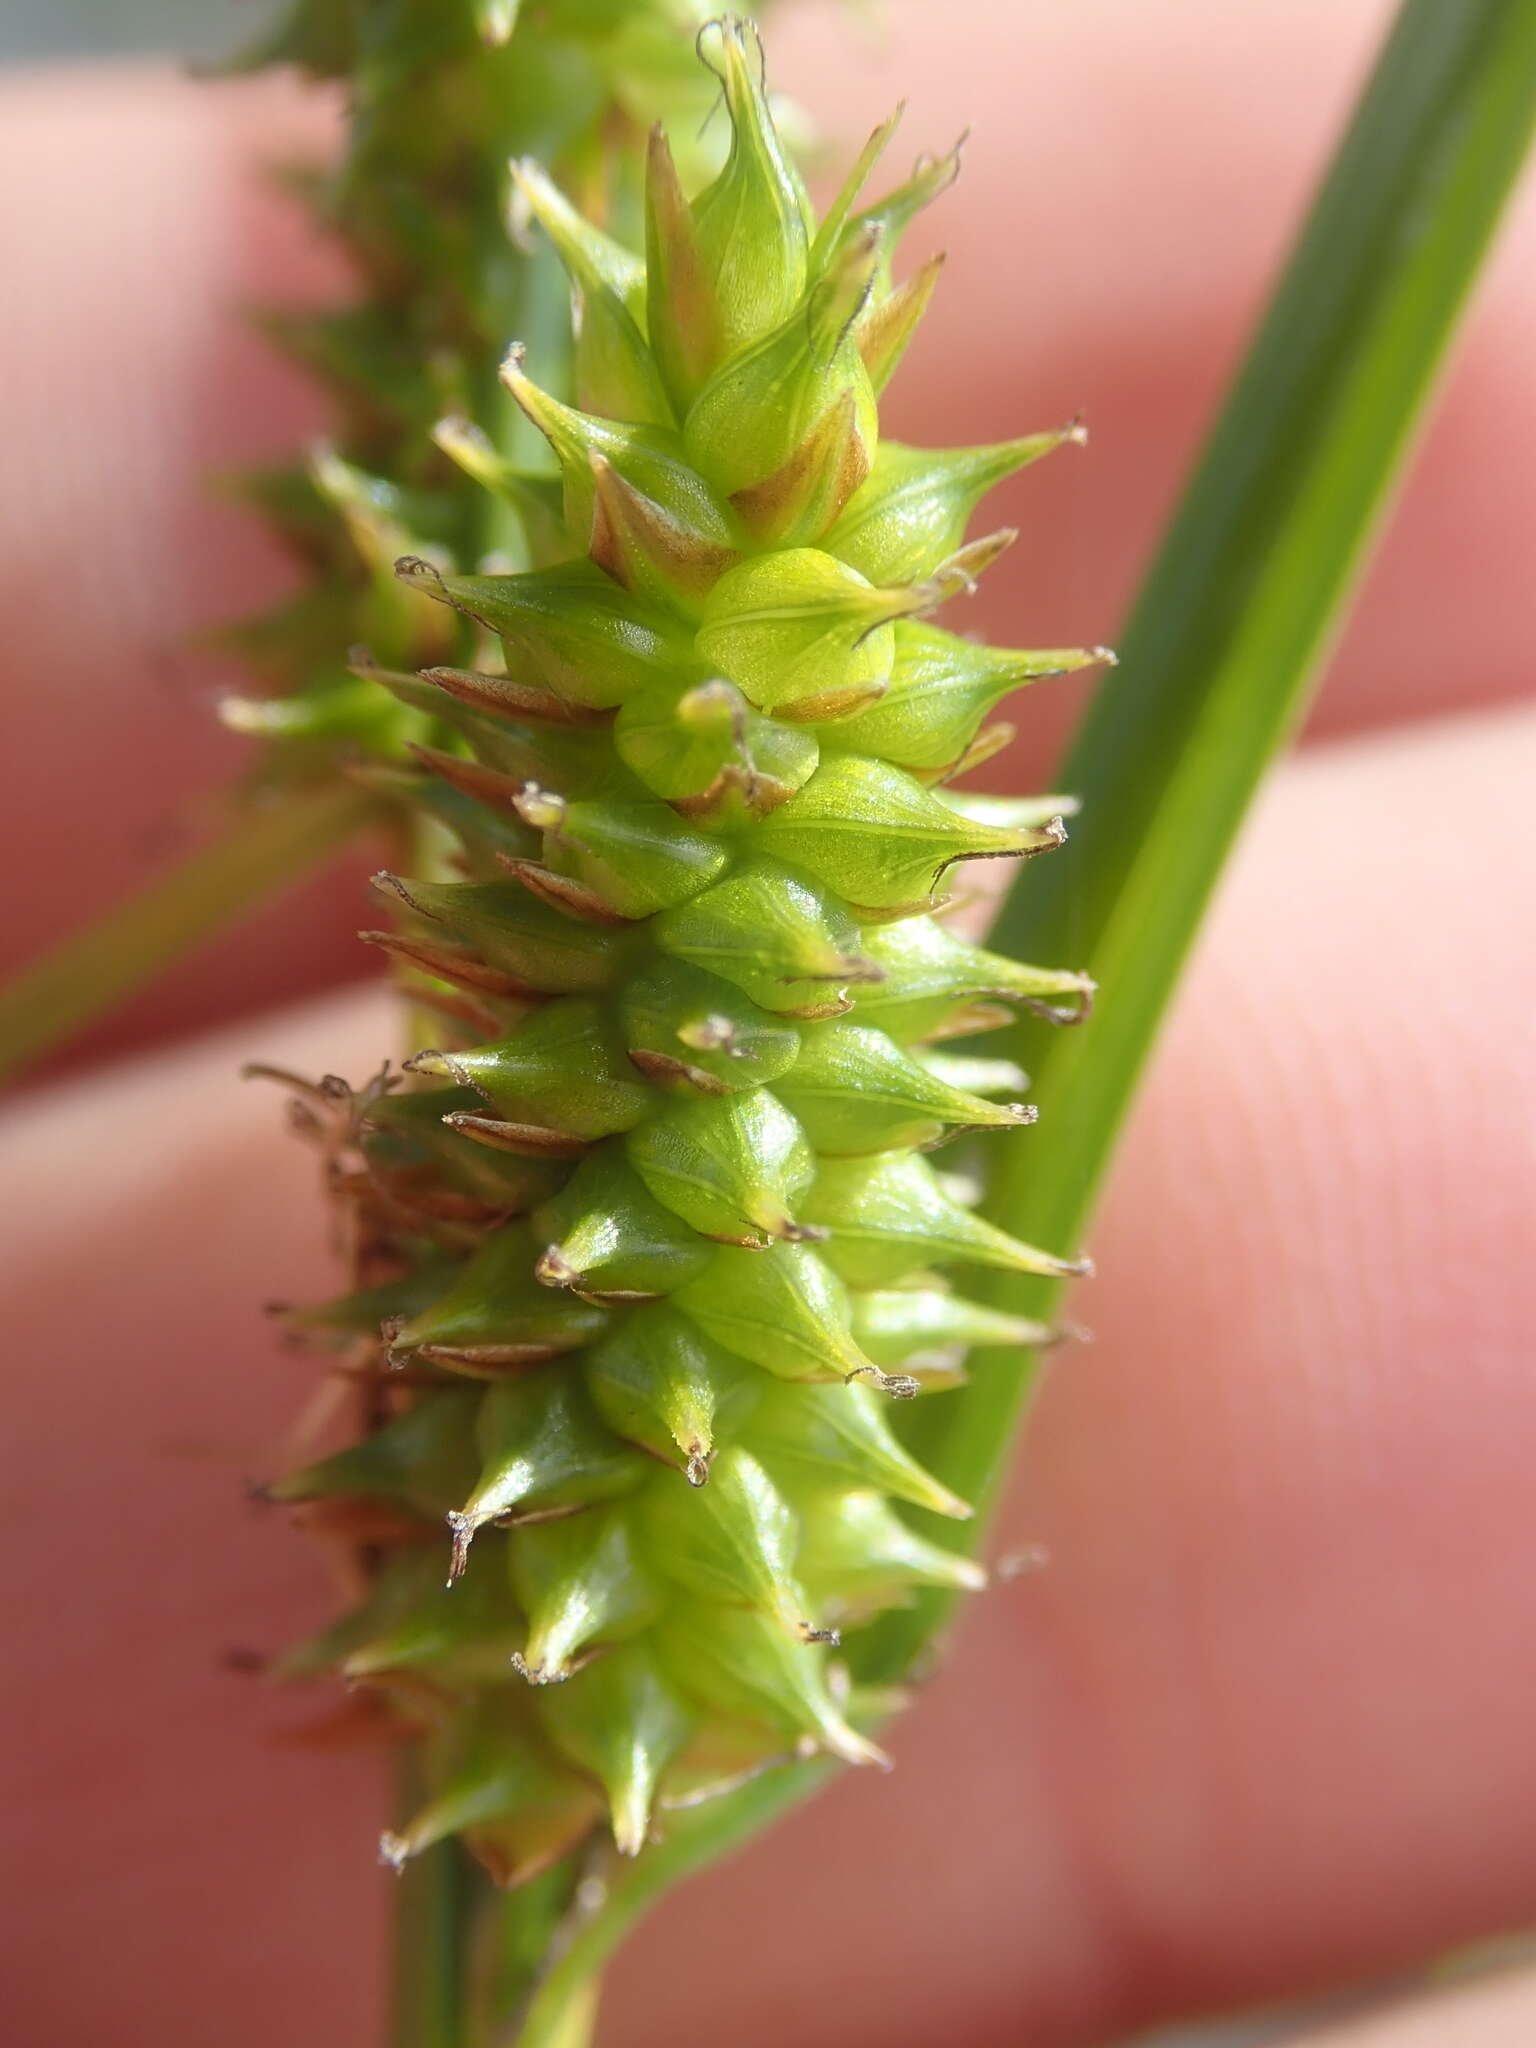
x,y
901,1386
664,1069
453,964
562,892
471,778
487,1359
507,697
424,576
462,1529
1061,1013
529,1141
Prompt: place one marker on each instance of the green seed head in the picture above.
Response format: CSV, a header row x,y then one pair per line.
x,y
652,1239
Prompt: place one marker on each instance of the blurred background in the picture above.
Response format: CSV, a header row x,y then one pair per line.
x,y
1132,183
98,28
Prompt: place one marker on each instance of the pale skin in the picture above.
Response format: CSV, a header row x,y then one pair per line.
x,y
1262,1725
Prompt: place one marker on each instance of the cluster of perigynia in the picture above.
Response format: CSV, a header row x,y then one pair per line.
x,y
654,1233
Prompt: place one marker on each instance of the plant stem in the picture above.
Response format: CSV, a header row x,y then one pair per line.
x,y
433,1913
449,1917
264,846
695,1838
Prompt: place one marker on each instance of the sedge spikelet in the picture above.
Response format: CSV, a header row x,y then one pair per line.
x,y
648,1235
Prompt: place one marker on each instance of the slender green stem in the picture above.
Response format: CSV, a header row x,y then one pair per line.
x,y
567,2020
264,846
445,1901
449,1915
693,1839
434,1910
1232,626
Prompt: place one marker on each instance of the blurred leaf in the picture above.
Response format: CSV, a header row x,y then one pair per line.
x,y
265,846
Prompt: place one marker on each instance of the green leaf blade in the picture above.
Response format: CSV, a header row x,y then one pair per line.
x,y
1233,623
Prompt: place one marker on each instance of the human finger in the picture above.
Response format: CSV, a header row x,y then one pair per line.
x,y
1262,1721
1492,2012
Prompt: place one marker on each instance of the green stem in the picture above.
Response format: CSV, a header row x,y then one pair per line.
x,y
695,1838
449,1916
444,1901
1232,626
434,1911
264,846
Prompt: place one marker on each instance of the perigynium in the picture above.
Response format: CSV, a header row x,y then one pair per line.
x,y
650,1235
